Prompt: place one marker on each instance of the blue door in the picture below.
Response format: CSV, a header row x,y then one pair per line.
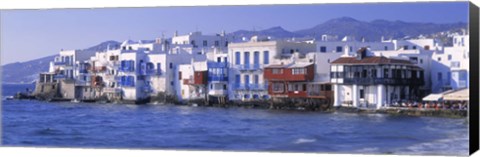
x,y
256,59
246,60
237,81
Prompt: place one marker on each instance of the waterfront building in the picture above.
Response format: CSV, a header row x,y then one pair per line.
x,y
331,44
450,67
217,65
247,60
365,80
192,78
306,77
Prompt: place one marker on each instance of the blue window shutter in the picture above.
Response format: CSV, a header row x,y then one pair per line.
x,y
265,57
237,58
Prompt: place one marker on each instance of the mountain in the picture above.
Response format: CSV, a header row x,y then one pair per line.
x,y
374,30
371,31
27,72
276,32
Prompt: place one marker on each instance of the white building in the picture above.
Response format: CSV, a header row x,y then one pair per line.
x,y
365,80
246,62
331,44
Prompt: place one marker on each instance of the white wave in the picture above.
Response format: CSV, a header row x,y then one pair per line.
x,y
304,140
452,146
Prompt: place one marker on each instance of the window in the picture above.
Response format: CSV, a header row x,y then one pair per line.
x,y
255,79
219,59
192,42
205,43
339,49
159,69
171,65
179,75
414,47
265,57
323,49
385,48
449,57
439,58
455,64
278,87
350,49
225,87
328,61
328,87
405,47
385,73
298,71
237,58
362,94
217,43
256,57
247,79
237,80
277,71
426,47
374,73
171,83
439,76
246,58
421,61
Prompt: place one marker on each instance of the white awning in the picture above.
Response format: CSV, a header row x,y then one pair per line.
x,y
459,95
436,96
433,97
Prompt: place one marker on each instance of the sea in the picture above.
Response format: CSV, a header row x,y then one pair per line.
x,y
32,123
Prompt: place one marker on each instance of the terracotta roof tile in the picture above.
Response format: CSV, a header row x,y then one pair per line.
x,y
369,60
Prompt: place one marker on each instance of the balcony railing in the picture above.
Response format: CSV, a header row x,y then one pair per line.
x,y
245,67
258,86
61,63
217,64
217,78
389,81
250,86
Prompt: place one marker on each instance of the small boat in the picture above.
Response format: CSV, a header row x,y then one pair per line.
x,y
75,101
9,98
194,105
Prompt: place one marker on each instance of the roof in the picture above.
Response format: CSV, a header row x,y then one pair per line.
x,y
459,95
370,60
293,65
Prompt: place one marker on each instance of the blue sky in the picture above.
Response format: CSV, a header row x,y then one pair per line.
x,y
31,34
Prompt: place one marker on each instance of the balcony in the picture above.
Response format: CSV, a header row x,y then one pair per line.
x,y
241,87
258,86
217,64
112,90
249,67
62,63
217,78
97,69
386,81
217,92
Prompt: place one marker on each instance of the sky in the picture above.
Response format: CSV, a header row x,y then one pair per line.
x,y
32,34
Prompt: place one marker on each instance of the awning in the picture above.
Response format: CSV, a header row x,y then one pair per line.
x,y
459,95
433,97
436,96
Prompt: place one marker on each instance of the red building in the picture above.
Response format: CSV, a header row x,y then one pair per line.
x,y
295,81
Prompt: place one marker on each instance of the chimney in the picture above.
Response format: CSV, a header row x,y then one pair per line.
x,y
361,53
175,34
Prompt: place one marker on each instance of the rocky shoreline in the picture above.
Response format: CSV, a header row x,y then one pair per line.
x,y
277,105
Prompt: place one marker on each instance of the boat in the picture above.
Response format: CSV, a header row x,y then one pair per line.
x,y
75,101
9,98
